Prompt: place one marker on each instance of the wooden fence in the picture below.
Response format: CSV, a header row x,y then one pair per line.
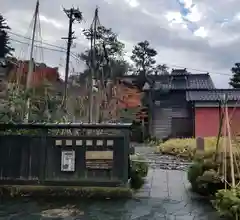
x,y
97,155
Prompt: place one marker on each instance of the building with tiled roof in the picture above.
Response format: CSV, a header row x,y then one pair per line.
x,y
207,110
181,104
181,82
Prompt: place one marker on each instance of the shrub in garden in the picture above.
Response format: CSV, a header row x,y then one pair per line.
x,y
178,147
209,182
194,171
227,203
203,176
136,181
139,170
186,147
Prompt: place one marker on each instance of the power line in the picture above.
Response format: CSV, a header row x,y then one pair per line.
x,y
199,70
28,38
38,46
46,48
77,58
48,44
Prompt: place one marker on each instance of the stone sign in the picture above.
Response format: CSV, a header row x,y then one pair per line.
x,y
200,144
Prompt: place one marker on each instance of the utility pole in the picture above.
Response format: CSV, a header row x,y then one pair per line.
x,y
93,30
31,61
30,66
73,15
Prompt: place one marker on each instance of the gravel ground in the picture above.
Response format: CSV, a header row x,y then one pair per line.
x,y
165,162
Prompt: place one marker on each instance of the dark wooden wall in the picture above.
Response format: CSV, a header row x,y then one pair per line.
x,y
172,115
28,159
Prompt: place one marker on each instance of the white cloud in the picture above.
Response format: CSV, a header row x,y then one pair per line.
x,y
187,3
201,32
237,17
174,17
195,15
133,3
21,24
152,15
51,21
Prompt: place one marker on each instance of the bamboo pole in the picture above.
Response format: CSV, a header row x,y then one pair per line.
x,y
230,148
231,155
225,153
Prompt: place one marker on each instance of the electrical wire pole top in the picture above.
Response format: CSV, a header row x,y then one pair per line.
x,y
73,15
30,69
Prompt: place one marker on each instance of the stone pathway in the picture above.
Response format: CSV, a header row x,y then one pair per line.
x,y
167,184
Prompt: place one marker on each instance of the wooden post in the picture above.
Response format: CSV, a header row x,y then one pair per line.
x,y
143,129
200,144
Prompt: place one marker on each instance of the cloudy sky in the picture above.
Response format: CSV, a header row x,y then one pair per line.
x,y
201,35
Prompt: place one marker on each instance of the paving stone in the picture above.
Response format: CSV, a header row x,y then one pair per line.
x,y
168,183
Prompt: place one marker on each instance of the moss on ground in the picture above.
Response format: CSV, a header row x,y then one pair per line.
x,y
61,191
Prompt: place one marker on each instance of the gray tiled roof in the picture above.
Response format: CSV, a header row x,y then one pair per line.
x,y
213,95
179,72
189,81
199,81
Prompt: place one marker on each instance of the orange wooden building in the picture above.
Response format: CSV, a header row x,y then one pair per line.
x,y
41,72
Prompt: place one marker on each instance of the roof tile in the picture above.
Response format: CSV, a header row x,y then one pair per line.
x,y
213,95
200,81
189,81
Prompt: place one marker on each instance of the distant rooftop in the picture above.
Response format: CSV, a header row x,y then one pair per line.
x,y
178,72
178,79
183,82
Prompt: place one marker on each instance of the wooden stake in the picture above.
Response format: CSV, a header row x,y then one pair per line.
x,y
230,148
225,153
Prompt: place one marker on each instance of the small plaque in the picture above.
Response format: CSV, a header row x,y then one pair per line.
x,y
99,155
99,142
58,142
79,142
68,161
109,142
68,142
89,142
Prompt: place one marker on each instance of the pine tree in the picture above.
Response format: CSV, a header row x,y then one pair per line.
x,y
235,80
5,48
108,53
144,57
